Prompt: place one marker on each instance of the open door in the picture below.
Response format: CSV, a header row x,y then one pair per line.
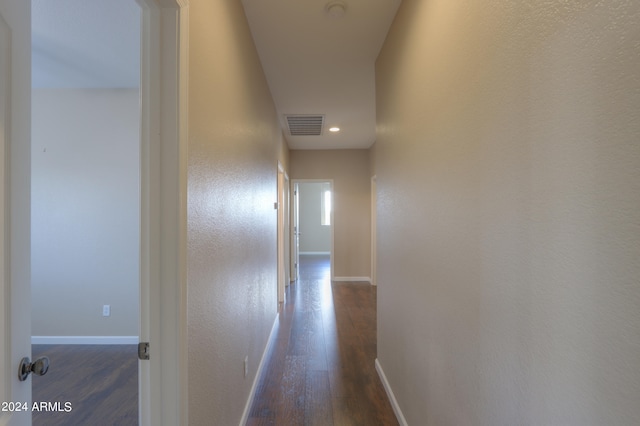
x,y
281,233
15,292
287,229
295,234
374,215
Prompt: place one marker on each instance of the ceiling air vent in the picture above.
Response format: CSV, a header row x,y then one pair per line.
x,y
305,125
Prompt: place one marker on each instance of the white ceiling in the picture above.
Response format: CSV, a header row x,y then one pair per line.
x,y
314,63
319,64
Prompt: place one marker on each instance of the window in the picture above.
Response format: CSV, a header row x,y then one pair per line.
x,y
325,205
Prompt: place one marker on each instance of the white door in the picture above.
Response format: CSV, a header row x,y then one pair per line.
x,y
374,259
287,230
15,293
281,212
295,235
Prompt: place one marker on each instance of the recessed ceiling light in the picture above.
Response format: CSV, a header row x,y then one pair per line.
x,y
334,129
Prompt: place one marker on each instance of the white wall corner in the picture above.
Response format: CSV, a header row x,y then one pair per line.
x,y
392,398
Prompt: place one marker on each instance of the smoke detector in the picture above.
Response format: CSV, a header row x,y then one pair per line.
x,y
336,9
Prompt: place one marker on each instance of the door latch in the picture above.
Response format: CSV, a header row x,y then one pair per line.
x,y
143,350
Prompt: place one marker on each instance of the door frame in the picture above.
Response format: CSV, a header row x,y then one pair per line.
x,y
294,241
15,218
163,136
163,141
294,183
282,241
374,232
5,61
287,228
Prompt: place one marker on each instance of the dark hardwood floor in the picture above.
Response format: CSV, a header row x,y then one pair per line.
x,y
320,369
99,381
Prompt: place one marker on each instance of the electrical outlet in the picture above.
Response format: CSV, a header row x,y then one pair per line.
x,y
106,310
246,366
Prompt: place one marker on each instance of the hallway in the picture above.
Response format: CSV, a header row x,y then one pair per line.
x,y
320,368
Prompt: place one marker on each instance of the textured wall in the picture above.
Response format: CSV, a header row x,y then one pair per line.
x,y
234,144
508,171
85,232
349,170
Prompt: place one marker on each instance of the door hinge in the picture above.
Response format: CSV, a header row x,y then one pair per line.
x,y
143,350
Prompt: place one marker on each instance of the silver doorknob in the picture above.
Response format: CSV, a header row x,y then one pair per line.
x,y
39,367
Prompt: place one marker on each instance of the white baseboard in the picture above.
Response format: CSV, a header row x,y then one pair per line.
x,y
359,279
254,386
392,398
84,340
313,253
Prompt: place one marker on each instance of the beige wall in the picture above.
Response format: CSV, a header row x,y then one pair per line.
x,y
234,145
508,175
349,170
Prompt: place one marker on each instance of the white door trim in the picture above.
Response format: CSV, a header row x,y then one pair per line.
x,y
374,232
15,219
287,228
294,254
164,88
281,233
5,137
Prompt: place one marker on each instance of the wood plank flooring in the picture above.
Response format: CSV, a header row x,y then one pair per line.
x,y
320,369
100,382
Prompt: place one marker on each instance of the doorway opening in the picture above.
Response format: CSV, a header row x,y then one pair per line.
x,y
86,211
312,226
